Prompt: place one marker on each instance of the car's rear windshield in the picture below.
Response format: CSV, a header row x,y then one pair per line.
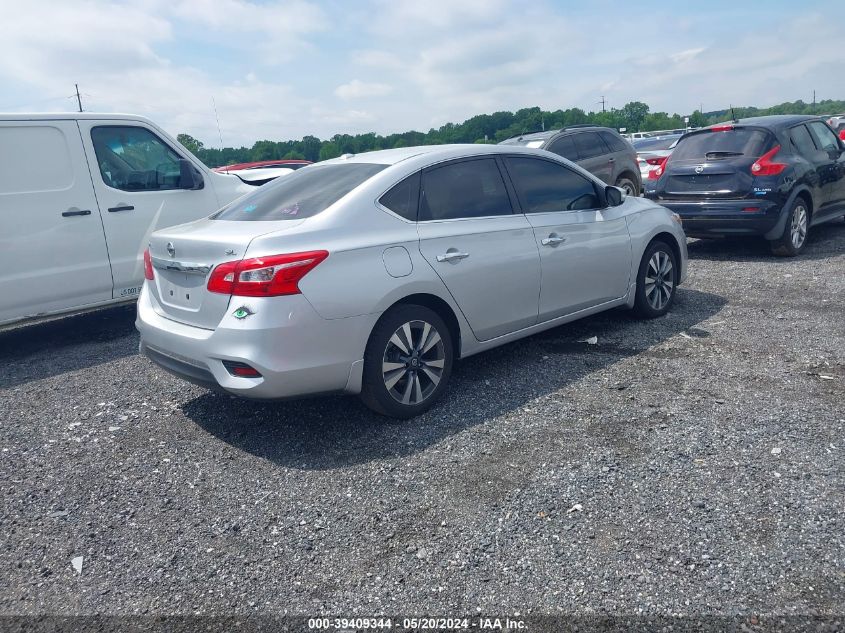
x,y
301,194
723,144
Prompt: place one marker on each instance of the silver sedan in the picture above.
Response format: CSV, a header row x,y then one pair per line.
x,y
371,274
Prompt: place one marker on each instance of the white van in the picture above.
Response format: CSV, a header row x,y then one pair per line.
x,y
79,196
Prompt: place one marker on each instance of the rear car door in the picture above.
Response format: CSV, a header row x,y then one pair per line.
x,y
52,250
594,155
830,165
137,177
585,251
484,252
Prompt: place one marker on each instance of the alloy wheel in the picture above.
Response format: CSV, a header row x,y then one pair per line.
x,y
413,362
659,280
798,230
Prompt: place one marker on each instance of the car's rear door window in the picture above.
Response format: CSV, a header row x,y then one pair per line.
x,y
802,141
545,187
824,137
465,189
615,143
589,144
302,194
564,146
723,144
403,197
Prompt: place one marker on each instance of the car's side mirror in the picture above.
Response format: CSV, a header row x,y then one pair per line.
x,y
189,177
614,196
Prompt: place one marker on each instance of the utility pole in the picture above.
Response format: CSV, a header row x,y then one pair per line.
x,y
814,98
603,103
78,98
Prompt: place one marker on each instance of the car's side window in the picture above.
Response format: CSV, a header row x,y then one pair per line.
x,y
403,197
466,189
564,146
543,186
615,143
589,144
134,159
825,138
802,141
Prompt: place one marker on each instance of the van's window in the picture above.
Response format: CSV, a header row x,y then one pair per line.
x,y
403,197
545,187
466,189
34,158
134,159
301,194
724,144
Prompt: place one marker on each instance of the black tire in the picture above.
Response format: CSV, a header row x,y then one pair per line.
x,y
789,244
628,185
656,280
415,381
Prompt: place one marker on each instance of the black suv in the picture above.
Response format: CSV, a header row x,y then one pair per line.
x,y
774,176
599,150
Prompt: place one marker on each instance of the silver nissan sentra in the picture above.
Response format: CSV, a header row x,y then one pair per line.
x,y
370,274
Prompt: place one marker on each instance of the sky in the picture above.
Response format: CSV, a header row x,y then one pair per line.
x,y
283,69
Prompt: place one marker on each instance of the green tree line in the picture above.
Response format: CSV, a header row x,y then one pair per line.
x,y
487,128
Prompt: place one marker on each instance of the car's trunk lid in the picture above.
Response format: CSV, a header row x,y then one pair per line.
x,y
714,163
183,258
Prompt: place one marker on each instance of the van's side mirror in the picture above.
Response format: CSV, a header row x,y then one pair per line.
x,y
614,196
189,177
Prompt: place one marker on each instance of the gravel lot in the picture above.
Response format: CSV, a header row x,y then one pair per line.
x,y
692,464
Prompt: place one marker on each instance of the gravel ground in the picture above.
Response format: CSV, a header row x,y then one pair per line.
x,y
692,464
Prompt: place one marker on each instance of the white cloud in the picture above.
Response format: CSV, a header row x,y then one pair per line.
x,y
357,89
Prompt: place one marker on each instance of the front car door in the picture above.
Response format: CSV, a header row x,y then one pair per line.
x,y
52,249
484,253
831,167
585,251
137,177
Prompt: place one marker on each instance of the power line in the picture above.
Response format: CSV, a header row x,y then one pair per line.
x,y
214,104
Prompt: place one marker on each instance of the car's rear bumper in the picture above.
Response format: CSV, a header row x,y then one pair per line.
x,y
296,351
721,218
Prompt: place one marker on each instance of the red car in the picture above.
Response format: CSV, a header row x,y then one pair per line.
x,y
264,164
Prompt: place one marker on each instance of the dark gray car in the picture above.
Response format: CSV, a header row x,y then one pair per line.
x,y
599,150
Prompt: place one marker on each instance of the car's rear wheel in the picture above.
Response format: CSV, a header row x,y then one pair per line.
x,y
794,236
407,363
628,186
657,281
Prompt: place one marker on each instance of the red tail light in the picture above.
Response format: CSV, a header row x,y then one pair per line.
x,y
842,135
657,172
765,166
270,276
148,265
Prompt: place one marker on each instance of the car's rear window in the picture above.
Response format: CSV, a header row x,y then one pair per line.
x,y
664,142
301,194
723,144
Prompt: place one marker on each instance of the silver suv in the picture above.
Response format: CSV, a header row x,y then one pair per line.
x,y
599,150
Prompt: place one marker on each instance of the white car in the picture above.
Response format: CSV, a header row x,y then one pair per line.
x,y
372,273
80,195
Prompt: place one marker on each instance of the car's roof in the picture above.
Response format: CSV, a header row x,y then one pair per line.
x,y
432,153
69,116
537,136
777,120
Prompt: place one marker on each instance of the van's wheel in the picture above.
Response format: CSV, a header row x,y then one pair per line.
x,y
628,186
407,363
794,236
657,281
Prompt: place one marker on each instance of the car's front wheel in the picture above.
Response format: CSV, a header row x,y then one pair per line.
x,y
408,362
657,281
627,185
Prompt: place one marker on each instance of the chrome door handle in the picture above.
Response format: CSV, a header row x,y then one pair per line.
x,y
552,240
452,256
